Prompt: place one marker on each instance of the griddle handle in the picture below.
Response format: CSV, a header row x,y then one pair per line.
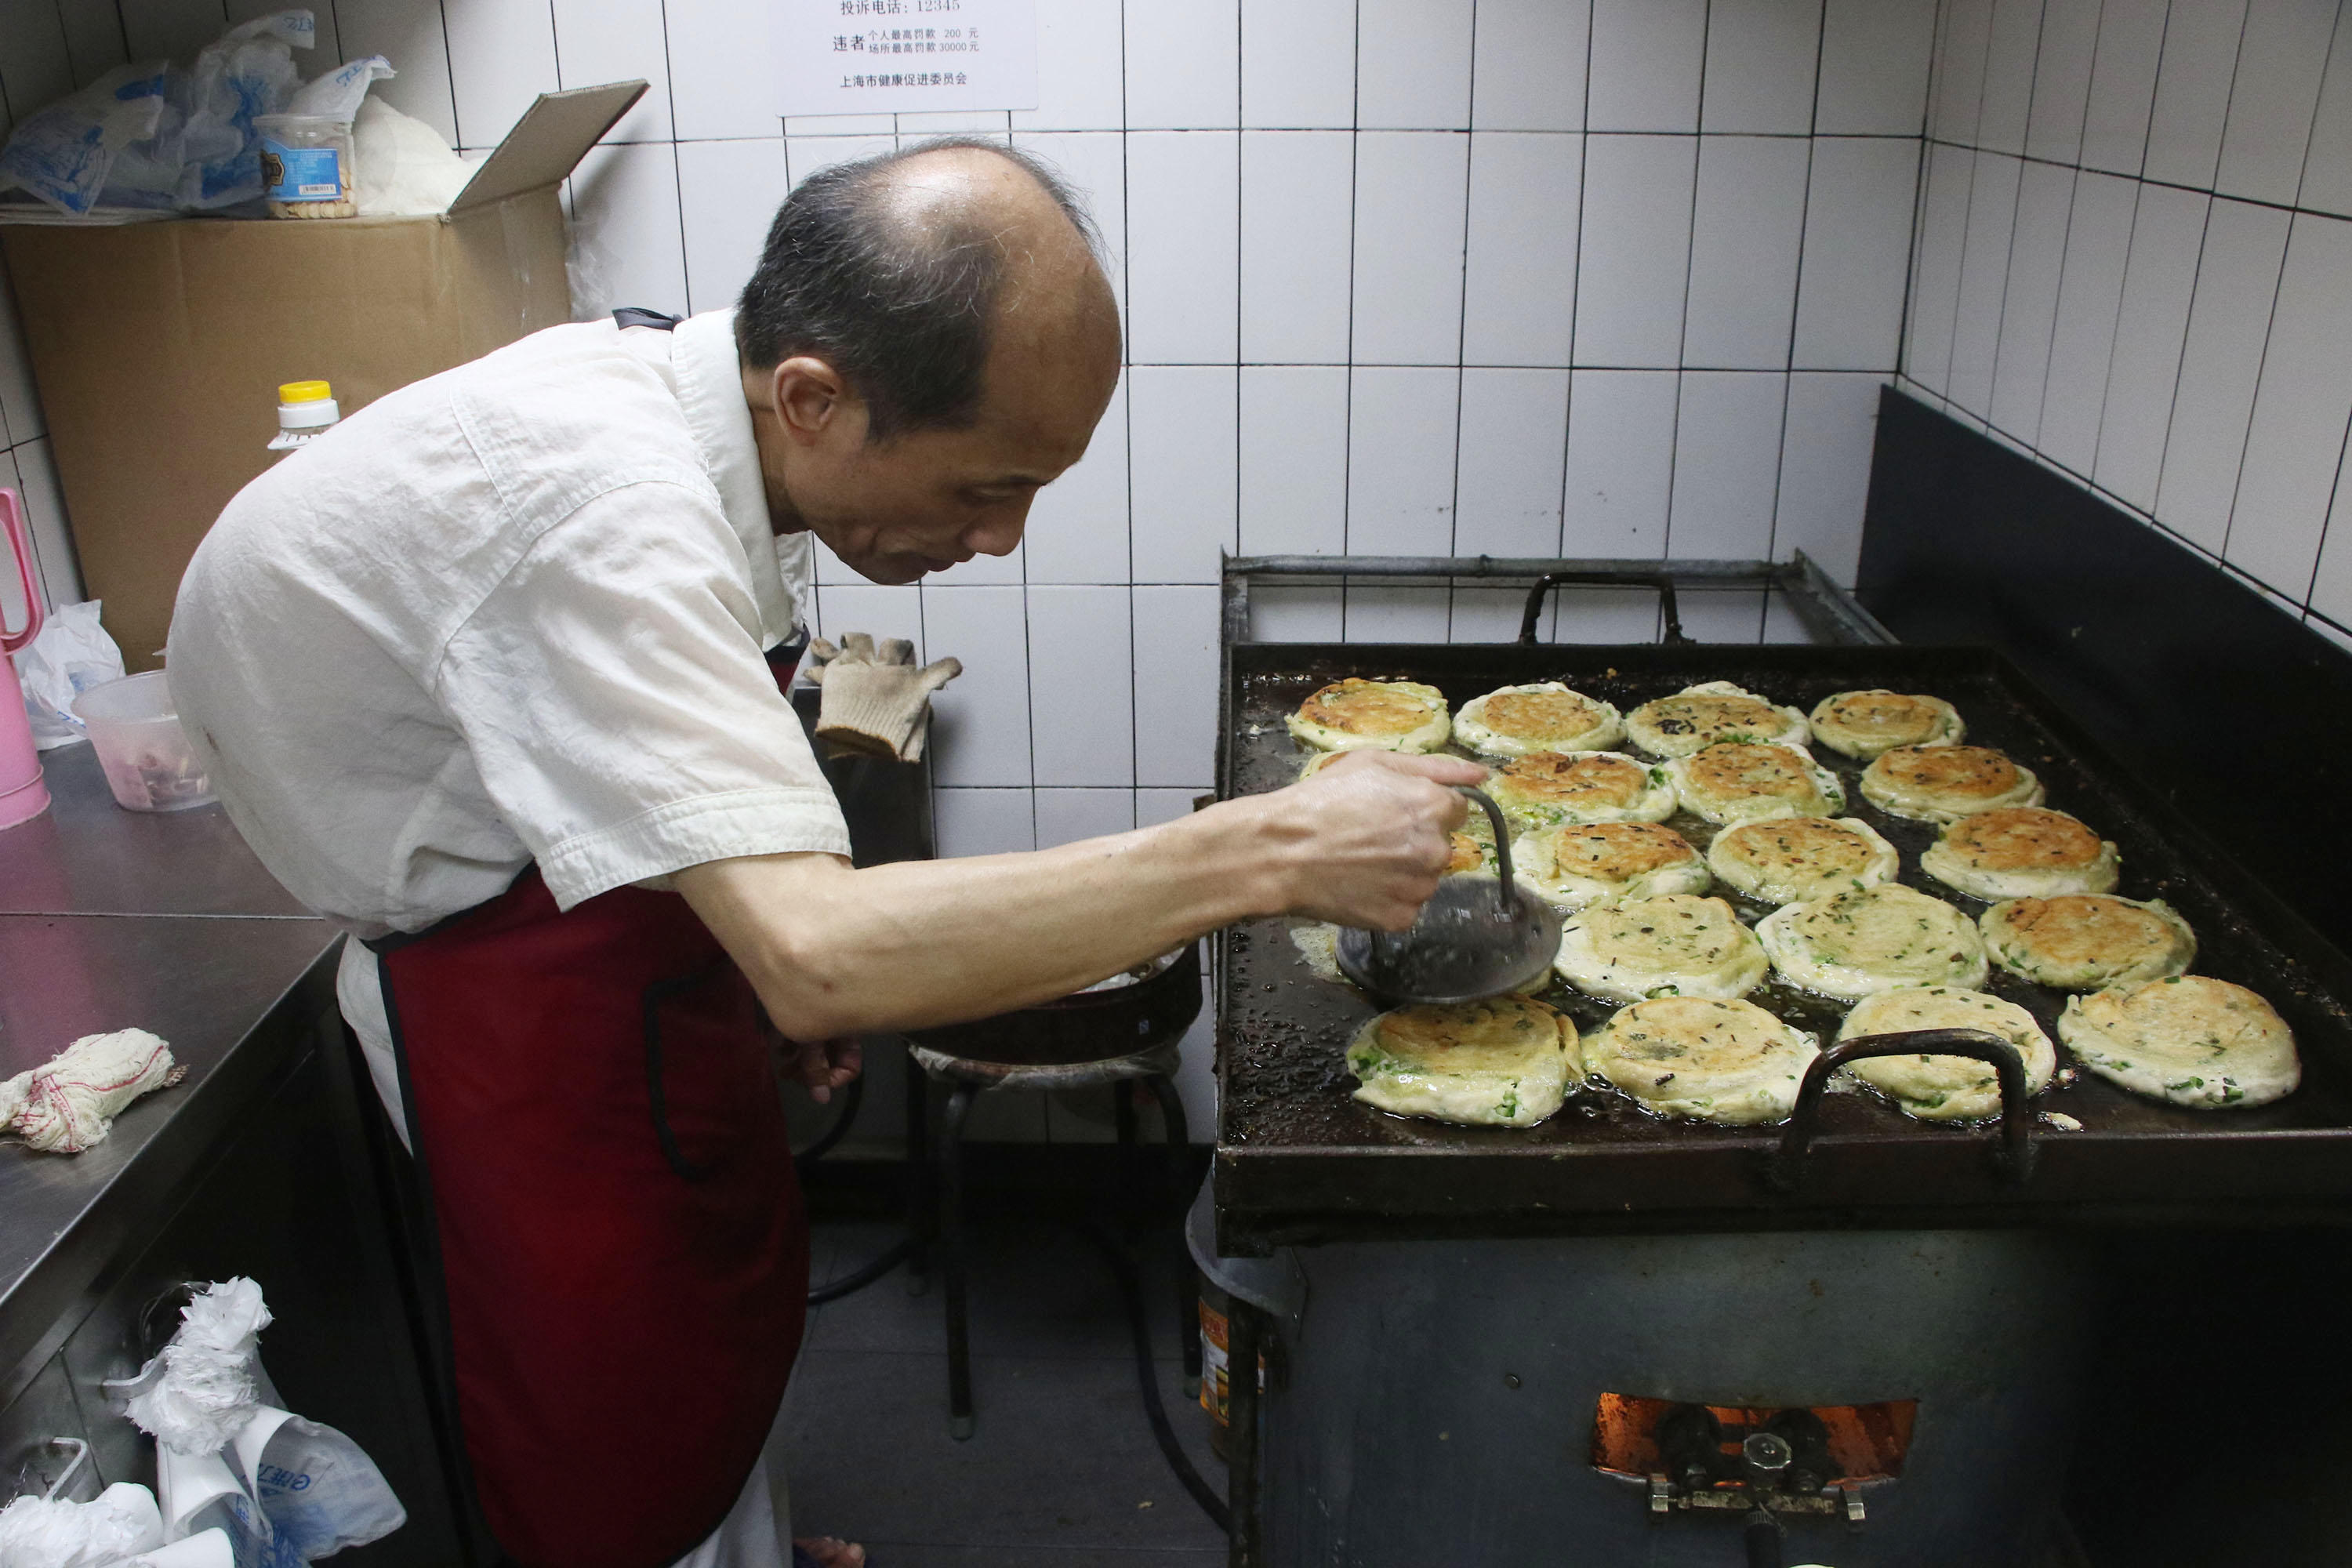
x,y
1658,580
2013,1156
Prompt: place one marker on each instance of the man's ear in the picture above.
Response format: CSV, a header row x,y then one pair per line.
x,y
811,399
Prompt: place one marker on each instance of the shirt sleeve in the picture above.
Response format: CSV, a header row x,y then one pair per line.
x,y
615,697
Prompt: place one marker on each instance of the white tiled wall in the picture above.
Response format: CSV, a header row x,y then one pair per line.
x,y
2134,261
1529,276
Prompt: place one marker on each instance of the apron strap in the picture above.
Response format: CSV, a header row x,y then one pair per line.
x,y
638,316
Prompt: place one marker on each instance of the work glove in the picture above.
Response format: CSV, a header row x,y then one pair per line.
x,y
876,699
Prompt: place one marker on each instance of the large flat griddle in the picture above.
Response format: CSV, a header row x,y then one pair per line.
x,y
1298,1160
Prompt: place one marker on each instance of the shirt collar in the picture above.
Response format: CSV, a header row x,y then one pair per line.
x,y
711,391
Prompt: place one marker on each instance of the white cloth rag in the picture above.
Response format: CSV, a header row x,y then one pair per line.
x,y
69,1103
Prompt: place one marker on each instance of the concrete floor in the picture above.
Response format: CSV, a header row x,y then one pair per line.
x,y
1062,1471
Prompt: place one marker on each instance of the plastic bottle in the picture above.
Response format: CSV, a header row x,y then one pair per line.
x,y
306,409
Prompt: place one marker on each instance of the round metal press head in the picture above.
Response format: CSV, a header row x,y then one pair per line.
x,y
1477,937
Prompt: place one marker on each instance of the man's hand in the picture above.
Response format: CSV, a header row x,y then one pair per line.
x,y
821,1066
1365,840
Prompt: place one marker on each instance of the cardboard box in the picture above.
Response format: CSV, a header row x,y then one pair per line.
x,y
159,347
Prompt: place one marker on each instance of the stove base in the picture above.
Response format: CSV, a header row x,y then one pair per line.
x,y
1435,1401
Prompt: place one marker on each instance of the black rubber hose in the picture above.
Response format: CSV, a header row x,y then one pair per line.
x,y
1763,1535
1147,1375
850,1284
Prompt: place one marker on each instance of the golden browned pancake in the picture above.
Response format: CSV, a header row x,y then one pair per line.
x,y
1546,788
1739,781
1573,864
1708,714
1392,715
1862,724
1712,1061
1545,716
1785,858
2080,941
1940,782
2019,852
2202,1042
1502,1062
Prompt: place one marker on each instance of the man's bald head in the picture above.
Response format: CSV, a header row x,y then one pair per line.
x,y
908,271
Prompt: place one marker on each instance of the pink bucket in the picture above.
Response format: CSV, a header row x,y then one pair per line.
x,y
23,795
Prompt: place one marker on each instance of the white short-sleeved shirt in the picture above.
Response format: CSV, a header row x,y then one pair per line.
x,y
516,611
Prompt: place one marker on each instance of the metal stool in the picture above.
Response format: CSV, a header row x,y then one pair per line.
x,y
1059,1045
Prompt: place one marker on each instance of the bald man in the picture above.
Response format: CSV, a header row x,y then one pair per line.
x,y
491,676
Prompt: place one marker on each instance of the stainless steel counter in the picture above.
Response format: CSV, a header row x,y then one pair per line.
x,y
236,999
86,856
262,1161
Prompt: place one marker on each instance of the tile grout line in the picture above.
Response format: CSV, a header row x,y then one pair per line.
x,y
1461,316
1348,413
2016,206
1796,305
2066,237
1682,339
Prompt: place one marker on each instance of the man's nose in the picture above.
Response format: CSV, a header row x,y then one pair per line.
x,y
998,535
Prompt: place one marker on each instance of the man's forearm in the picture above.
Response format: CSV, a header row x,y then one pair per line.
x,y
834,950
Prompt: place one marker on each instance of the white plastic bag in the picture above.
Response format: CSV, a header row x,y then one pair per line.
x,y
337,94
282,1490
211,1549
160,136
119,1523
72,654
203,153
320,1489
65,152
405,168
201,1495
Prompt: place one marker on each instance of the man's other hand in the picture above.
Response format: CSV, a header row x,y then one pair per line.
x,y
821,1066
1365,840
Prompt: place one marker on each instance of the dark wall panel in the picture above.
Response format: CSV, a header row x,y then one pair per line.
x,y
2236,711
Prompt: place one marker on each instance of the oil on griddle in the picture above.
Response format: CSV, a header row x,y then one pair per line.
x,y
1285,1084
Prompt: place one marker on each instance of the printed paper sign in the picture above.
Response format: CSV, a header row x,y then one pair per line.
x,y
906,57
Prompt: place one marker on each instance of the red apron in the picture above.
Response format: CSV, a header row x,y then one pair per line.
x,y
596,1124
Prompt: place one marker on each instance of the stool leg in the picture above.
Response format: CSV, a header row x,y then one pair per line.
x,y
1188,1285
951,1260
922,1202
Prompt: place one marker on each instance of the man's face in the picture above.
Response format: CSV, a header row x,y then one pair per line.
x,y
925,501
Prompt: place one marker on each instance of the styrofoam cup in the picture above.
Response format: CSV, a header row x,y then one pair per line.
x,y
149,764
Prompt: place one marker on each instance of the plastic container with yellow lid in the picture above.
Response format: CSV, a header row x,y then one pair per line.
x,y
305,409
